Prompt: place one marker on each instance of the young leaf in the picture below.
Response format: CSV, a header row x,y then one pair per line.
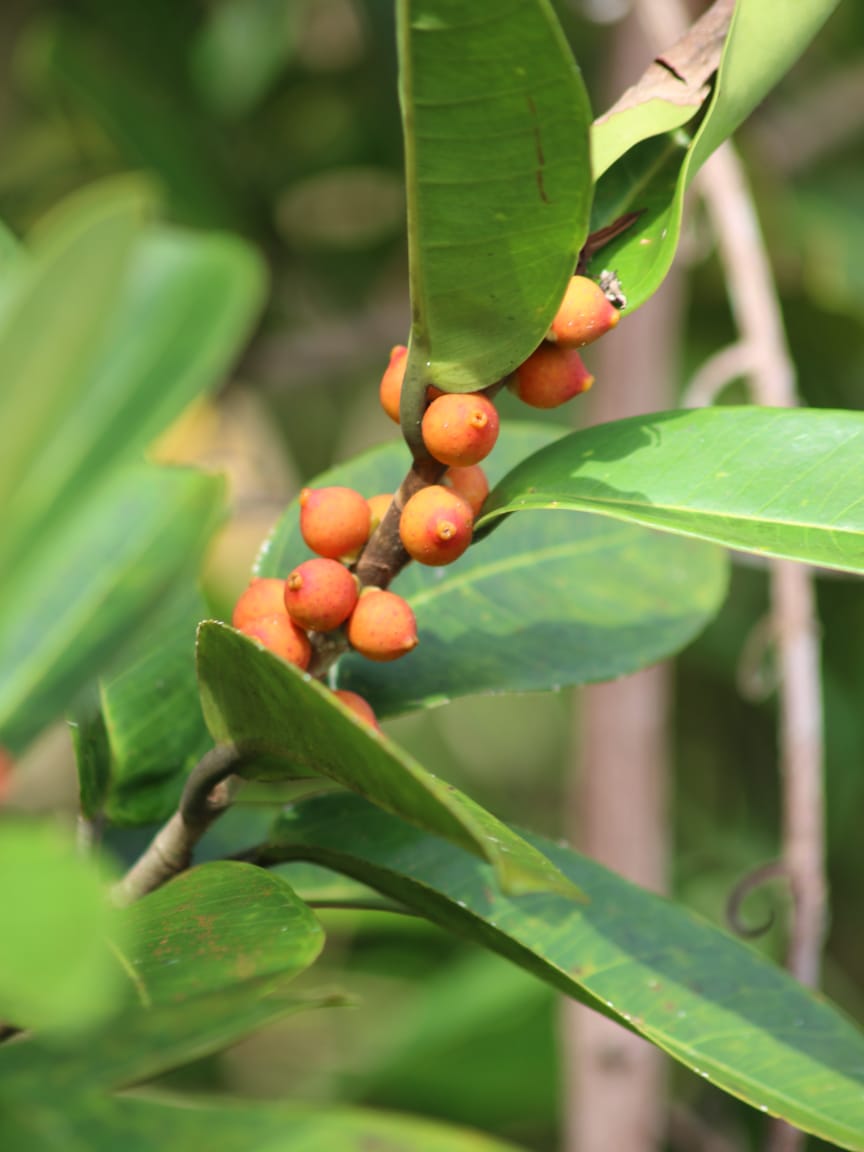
x,y
253,699
706,999
56,971
779,482
764,40
498,183
561,601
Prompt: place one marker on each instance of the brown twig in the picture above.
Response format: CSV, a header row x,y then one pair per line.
x,y
206,796
682,74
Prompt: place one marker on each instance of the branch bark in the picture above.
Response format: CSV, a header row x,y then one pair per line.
x,y
206,796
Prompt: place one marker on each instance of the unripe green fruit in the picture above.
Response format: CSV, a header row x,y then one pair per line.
x,y
470,483
360,707
320,594
436,525
460,428
382,626
552,375
334,521
390,389
282,636
264,597
583,316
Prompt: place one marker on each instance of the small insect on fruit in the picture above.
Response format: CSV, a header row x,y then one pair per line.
x,y
583,316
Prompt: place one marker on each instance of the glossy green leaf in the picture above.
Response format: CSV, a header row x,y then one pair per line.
x,y
612,139
778,482
702,996
498,182
65,615
765,38
541,604
89,1123
56,971
255,700
185,304
150,714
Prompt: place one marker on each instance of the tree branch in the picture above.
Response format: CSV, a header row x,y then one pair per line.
x,y
206,796
756,309
757,314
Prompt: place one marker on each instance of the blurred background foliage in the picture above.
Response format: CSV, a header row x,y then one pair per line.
x,y
278,120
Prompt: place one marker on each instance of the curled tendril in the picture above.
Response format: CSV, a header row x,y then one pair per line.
x,y
775,870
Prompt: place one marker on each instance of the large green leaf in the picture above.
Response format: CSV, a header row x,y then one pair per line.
x,y
541,604
764,40
85,1122
255,700
54,317
498,183
708,1000
56,971
107,331
65,615
208,959
780,482
139,739
185,304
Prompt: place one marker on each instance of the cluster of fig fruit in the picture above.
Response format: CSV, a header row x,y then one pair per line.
x,y
459,430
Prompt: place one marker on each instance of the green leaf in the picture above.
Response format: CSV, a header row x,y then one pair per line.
x,y
255,700
215,926
541,604
151,717
765,38
56,972
110,331
208,958
706,999
53,321
612,139
778,482
65,615
498,183
90,1123
182,312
